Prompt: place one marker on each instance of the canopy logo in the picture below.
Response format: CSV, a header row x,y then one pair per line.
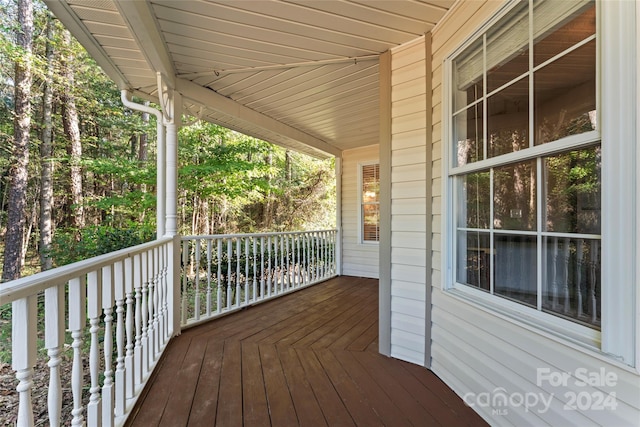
x,y
580,390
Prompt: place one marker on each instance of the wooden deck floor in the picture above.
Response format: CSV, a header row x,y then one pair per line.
x,y
309,358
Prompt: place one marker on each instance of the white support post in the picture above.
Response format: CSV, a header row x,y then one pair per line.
x,y
54,340
23,336
94,302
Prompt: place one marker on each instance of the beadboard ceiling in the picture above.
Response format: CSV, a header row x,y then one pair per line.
x,y
301,74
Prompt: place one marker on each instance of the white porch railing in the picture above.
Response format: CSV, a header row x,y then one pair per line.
x,y
225,273
116,313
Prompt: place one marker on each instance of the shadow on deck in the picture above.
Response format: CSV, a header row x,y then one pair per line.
x,y
308,358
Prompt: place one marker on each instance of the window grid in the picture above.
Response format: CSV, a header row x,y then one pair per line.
x,y
538,153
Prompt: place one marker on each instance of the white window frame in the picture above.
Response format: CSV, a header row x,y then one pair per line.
x,y
617,74
360,208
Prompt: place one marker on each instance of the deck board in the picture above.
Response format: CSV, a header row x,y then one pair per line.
x,y
309,358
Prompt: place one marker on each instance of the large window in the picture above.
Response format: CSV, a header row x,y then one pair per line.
x,y
370,202
525,160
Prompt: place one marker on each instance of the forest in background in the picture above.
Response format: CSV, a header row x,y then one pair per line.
x,y
78,170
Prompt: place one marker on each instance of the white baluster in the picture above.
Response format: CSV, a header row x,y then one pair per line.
x,y
54,340
554,284
24,332
229,255
269,266
157,298
137,348
565,258
108,401
128,358
247,285
238,249
94,310
595,244
219,284
197,281
305,271
120,374
282,264
144,340
288,257
77,320
262,267
255,269
579,256
208,278
151,280
185,274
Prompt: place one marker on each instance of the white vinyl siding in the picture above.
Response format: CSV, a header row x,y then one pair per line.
x,y
408,202
359,260
476,350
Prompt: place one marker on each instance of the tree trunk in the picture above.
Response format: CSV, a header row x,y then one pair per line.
x,y
72,131
20,158
46,159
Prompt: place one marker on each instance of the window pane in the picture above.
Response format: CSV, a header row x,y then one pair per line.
x,y
468,134
556,32
370,183
467,76
515,268
474,203
571,285
514,196
565,95
508,119
572,191
474,259
371,222
508,48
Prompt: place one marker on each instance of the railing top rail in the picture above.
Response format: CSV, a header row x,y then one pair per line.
x,y
31,285
227,236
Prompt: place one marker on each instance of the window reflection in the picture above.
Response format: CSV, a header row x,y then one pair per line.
x,y
514,196
572,191
475,200
572,278
508,119
474,255
565,95
468,133
515,268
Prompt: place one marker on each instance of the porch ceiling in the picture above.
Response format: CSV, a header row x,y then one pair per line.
x,y
302,74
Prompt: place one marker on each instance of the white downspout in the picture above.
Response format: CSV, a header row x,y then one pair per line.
x,y
160,158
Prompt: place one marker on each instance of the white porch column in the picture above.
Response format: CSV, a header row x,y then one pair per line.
x,y
172,109
338,168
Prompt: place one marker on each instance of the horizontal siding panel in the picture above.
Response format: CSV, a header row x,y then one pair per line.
x,y
409,122
408,90
408,273
415,172
478,327
407,54
408,340
413,290
409,256
409,156
402,239
410,223
408,190
413,206
412,71
415,138
371,273
402,353
408,306
408,106
404,322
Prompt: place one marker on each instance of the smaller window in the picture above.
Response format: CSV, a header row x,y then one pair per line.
x,y
370,202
